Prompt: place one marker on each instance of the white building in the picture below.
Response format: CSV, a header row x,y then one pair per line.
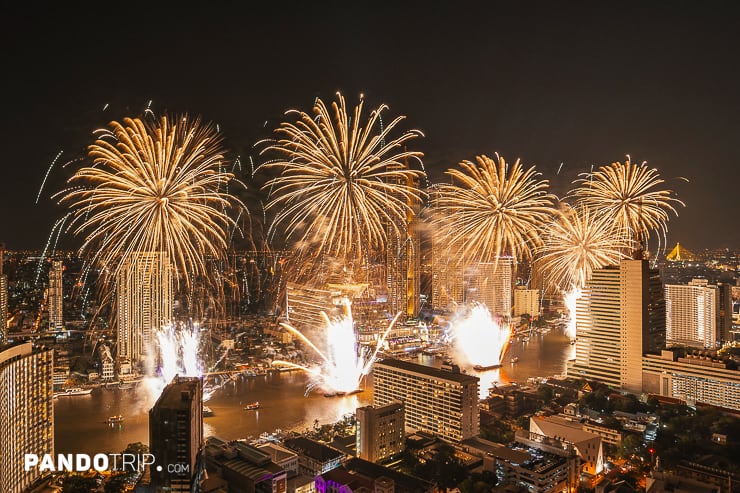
x,y
619,317
441,402
692,314
588,445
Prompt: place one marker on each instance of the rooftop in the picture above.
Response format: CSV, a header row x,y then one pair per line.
x,y
429,371
312,449
179,389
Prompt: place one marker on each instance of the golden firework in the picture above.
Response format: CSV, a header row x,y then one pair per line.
x,y
492,209
630,195
575,243
343,180
154,186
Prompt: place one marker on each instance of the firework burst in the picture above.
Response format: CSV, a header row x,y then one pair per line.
x,y
154,186
342,184
577,242
630,195
495,210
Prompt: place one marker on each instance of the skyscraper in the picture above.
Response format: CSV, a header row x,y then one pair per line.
x,y
438,401
692,314
3,299
27,417
447,270
490,283
619,317
144,302
55,296
403,253
725,311
176,436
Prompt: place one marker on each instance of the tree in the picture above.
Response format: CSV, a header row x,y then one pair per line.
x,y
629,445
445,468
116,484
79,484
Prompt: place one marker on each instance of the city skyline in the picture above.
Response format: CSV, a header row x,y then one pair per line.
x,y
561,87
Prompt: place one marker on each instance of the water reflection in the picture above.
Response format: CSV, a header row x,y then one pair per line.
x,y
81,422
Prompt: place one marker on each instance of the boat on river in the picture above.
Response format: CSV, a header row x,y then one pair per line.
x,y
253,406
73,391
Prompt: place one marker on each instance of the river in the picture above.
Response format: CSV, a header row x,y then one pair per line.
x,y
80,420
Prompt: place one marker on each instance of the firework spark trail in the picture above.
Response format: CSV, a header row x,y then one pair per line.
x,y
495,210
477,339
344,362
630,195
341,184
43,182
58,226
154,186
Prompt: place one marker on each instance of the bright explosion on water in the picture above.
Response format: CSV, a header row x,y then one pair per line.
x,y
477,339
344,362
176,353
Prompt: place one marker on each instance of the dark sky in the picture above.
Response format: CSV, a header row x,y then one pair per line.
x,y
582,83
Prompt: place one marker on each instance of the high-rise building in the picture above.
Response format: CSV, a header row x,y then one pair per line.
x,y
447,270
725,311
438,401
55,295
176,436
27,417
3,299
490,283
380,431
447,279
144,302
403,254
526,301
692,314
304,305
619,317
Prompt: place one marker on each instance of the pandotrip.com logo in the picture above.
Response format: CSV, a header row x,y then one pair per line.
x,y
84,462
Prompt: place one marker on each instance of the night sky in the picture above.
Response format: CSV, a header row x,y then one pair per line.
x,y
582,84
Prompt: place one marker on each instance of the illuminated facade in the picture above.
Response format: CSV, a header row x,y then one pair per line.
x,y
619,317
304,305
692,379
490,283
380,431
176,436
447,277
692,314
526,301
403,253
441,402
448,289
3,299
27,417
144,302
56,296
